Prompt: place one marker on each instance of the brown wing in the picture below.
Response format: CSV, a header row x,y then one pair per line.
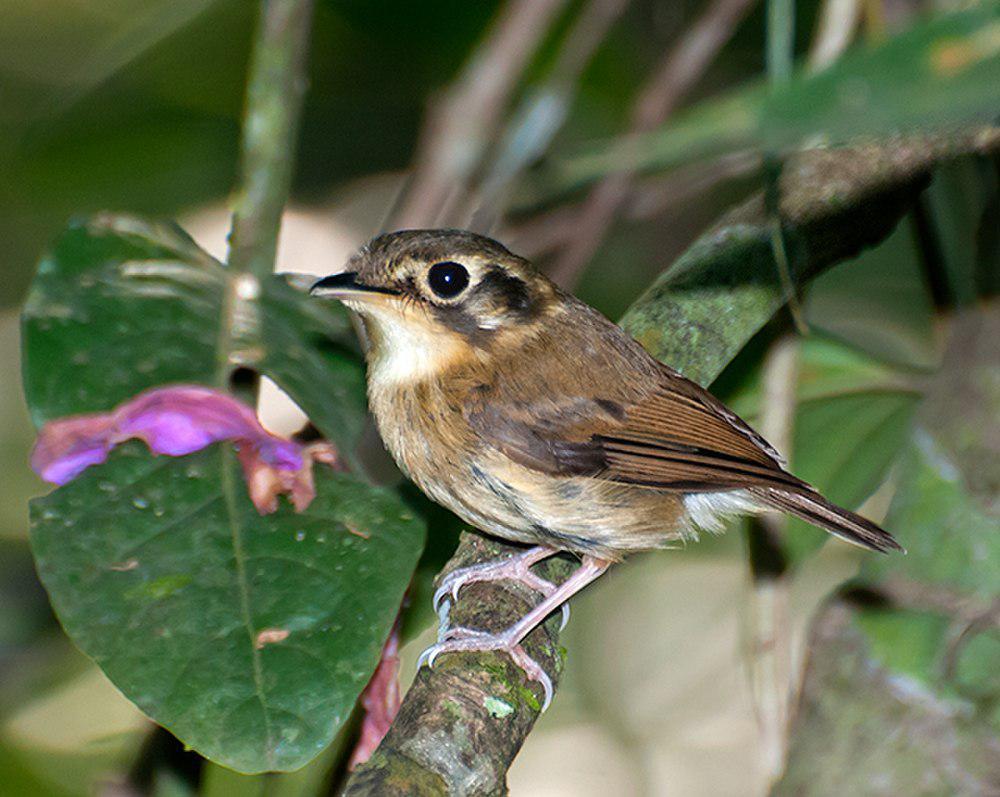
x,y
675,436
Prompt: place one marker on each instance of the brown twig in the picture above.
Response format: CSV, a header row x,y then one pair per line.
x,y
835,28
459,126
677,74
650,197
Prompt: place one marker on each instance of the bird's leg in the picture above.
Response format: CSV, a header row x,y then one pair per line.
x,y
466,639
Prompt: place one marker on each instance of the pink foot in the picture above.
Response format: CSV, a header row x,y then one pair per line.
x,y
512,568
457,640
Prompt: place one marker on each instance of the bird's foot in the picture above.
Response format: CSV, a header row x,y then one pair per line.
x,y
457,640
512,568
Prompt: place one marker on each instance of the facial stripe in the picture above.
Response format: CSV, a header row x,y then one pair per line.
x,y
506,290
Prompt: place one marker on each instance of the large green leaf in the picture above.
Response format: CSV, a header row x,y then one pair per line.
x,y
248,636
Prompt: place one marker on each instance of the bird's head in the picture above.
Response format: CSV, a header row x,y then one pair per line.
x,y
430,298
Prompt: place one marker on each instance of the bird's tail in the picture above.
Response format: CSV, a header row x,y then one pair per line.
x,y
814,508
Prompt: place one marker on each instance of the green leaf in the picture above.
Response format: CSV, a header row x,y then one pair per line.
x,y
950,538
122,304
844,447
942,74
833,204
248,636
879,303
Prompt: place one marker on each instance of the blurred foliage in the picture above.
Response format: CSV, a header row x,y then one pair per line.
x,y
942,74
135,105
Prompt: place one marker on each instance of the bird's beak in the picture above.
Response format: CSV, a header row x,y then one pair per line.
x,y
346,285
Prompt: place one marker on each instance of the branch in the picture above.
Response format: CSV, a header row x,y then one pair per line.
x,y
834,203
462,723
275,88
542,111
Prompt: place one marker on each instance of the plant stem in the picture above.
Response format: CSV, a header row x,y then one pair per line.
x,y
275,89
780,40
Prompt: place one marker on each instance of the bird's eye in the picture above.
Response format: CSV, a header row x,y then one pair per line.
x,y
448,279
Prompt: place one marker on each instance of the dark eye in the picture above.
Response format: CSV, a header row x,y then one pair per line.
x,y
447,279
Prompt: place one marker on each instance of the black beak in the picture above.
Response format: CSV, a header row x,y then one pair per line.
x,y
345,284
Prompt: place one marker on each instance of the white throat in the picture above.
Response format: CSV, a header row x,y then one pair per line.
x,y
401,350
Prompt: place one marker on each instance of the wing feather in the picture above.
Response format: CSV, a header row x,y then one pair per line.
x,y
675,436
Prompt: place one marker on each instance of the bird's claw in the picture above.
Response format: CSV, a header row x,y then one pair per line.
x,y
457,640
516,568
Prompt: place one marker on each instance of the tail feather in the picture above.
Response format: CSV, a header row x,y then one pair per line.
x,y
813,508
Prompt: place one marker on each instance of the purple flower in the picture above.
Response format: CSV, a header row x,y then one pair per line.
x,y
178,420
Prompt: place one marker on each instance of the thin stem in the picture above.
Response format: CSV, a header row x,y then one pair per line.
x,y
835,29
780,40
543,110
275,88
767,607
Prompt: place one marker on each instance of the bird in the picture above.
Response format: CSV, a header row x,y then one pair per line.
x,y
536,419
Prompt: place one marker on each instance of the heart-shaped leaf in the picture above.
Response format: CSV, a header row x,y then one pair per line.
x,y
249,637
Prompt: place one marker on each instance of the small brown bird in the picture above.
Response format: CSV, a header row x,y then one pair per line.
x,y
536,419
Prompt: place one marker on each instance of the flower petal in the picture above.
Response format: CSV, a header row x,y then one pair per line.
x,y
177,420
